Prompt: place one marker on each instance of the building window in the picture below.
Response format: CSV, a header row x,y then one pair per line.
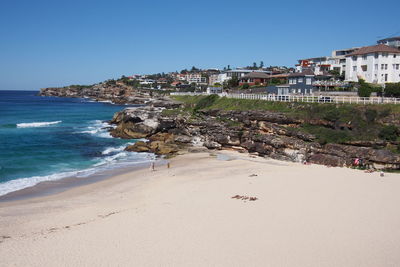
x,y
308,81
364,57
394,56
386,66
364,67
376,66
354,57
376,55
354,68
384,54
386,77
300,80
396,66
382,66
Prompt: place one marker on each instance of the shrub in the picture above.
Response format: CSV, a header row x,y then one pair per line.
x,y
245,86
332,115
364,89
206,102
392,90
389,132
370,115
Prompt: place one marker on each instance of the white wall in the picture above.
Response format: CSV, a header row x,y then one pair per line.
x,y
373,75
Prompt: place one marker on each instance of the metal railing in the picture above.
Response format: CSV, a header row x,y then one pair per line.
x,y
304,98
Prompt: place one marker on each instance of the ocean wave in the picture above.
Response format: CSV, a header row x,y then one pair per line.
x,y
110,150
119,160
98,128
36,124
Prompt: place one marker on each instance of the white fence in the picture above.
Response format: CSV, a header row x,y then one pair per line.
x,y
304,98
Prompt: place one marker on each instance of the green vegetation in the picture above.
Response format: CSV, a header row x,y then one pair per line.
x,y
364,89
389,133
392,90
327,135
330,123
79,86
245,86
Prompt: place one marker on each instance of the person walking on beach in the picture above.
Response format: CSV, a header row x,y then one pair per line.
x,y
152,166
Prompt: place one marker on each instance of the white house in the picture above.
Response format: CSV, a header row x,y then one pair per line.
x,y
320,65
196,78
375,64
218,78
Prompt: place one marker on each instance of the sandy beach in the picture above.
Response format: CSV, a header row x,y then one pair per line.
x,y
303,215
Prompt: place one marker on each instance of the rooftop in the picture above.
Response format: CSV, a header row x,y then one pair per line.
x,y
389,39
256,75
305,72
374,49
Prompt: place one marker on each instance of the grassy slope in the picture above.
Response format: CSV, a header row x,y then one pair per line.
x,y
351,122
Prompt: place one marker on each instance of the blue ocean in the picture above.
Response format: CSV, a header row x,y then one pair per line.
x,y
49,138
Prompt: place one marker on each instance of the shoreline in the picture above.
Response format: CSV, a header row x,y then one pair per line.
x,y
304,215
54,187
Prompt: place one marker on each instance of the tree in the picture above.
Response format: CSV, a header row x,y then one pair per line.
x,y
233,82
261,64
254,65
229,67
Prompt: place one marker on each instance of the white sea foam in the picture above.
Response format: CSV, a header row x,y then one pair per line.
x,y
36,124
119,160
98,128
110,150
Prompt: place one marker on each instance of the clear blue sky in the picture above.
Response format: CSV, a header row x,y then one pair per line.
x,y
56,43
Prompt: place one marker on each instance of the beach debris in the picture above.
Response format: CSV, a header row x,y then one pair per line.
x,y
109,214
369,171
244,198
382,174
253,175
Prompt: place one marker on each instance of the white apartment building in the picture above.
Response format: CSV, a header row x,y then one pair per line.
x,y
218,78
323,64
195,78
375,64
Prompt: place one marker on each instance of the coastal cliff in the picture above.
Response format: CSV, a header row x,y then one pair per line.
x,y
261,132
115,92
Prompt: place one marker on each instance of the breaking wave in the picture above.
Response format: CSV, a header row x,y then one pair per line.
x,y
36,124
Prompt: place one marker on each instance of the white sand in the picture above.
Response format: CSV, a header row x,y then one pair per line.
x,y
184,216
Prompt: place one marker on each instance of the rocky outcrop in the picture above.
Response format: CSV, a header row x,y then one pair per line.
x,y
160,144
264,133
116,92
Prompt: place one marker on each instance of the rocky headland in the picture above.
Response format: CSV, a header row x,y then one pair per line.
x,y
115,92
262,133
270,133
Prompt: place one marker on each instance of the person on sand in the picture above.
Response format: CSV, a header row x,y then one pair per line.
x,y
152,166
168,165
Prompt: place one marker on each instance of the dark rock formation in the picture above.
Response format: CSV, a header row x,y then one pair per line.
x,y
266,133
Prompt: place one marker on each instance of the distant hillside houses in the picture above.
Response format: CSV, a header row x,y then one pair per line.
x,y
377,64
